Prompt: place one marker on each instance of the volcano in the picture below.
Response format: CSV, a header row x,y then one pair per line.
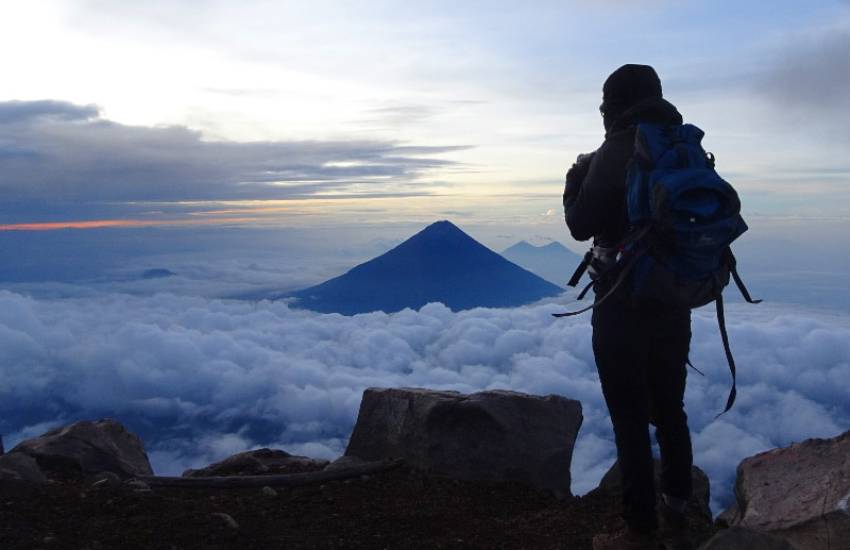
x,y
441,263
554,262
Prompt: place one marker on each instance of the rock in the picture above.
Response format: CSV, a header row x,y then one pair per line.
x,y
698,505
344,462
20,466
268,491
740,538
497,435
799,492
139,486
227,519
259,462
727,518
105,479
90,447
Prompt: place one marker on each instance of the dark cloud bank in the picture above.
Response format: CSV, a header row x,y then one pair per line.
x,y
201,378
54,153
808,82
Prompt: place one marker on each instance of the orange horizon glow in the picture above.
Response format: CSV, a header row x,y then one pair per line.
x,y
97,224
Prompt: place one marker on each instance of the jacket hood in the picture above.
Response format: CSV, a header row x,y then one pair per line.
x,y
654,110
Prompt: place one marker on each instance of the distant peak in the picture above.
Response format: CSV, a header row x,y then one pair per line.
x,y
442,227
442,224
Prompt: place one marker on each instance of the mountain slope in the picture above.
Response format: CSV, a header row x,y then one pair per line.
x,y
441,263
554,262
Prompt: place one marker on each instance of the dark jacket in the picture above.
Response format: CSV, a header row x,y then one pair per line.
x,y
598,210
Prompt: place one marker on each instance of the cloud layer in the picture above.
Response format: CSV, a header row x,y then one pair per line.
x,y
60,152
200,378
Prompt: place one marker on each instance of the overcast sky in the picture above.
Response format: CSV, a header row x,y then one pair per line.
x,y
108,107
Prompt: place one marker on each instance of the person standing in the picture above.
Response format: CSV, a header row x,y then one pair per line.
x,y
640,351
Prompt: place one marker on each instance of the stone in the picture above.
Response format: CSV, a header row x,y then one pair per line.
x,y
727,517
259,462
741,538
490,435
227,519
800,493
344,462
89,447
698,504
105,479
268,491
139,486
20,466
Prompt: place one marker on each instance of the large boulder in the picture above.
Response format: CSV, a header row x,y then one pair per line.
x,y
799,492
497,435
89,447
20,466
259,462
698,505
741,538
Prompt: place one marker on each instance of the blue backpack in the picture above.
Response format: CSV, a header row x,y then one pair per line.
x,y
682,217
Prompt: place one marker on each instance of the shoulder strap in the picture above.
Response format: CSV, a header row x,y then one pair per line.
x,y
721,321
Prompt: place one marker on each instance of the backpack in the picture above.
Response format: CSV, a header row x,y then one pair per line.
x,y
683,217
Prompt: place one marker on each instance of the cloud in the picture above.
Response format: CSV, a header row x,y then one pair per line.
x,y
54,152
809,79
23,111
200,379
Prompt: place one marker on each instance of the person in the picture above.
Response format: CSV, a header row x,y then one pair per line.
x,y
641,352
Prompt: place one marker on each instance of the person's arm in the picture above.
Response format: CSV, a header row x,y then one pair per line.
x,y
598,197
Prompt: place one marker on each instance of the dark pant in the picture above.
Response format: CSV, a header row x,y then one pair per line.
x,y
641,357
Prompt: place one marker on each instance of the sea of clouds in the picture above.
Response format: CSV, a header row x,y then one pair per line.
x,y
202,378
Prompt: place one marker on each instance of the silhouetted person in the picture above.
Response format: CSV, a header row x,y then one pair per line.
x,y
641,353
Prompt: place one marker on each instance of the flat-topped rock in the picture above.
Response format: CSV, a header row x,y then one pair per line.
x,y
497,435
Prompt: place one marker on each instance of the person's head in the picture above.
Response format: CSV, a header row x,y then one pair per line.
x,y
626,87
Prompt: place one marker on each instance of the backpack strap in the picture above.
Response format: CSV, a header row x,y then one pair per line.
x,y
582,267
628,240
688,363
624,267
721,321
733,268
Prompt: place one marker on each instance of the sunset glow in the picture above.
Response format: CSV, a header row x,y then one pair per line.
x,y
97,224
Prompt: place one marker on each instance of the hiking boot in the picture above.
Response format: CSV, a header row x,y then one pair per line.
x,y
626,539
673,528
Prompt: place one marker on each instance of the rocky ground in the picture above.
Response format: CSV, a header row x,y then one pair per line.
x,y
399,509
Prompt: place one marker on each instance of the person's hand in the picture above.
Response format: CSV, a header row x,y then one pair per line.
x,y
576,175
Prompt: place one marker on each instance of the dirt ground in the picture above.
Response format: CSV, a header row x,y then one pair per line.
x,y
400,509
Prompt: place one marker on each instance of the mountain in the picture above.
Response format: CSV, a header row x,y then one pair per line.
x,y
554,262
441,263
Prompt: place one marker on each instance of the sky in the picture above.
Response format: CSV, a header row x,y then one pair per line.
x,y
128,111
261,145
